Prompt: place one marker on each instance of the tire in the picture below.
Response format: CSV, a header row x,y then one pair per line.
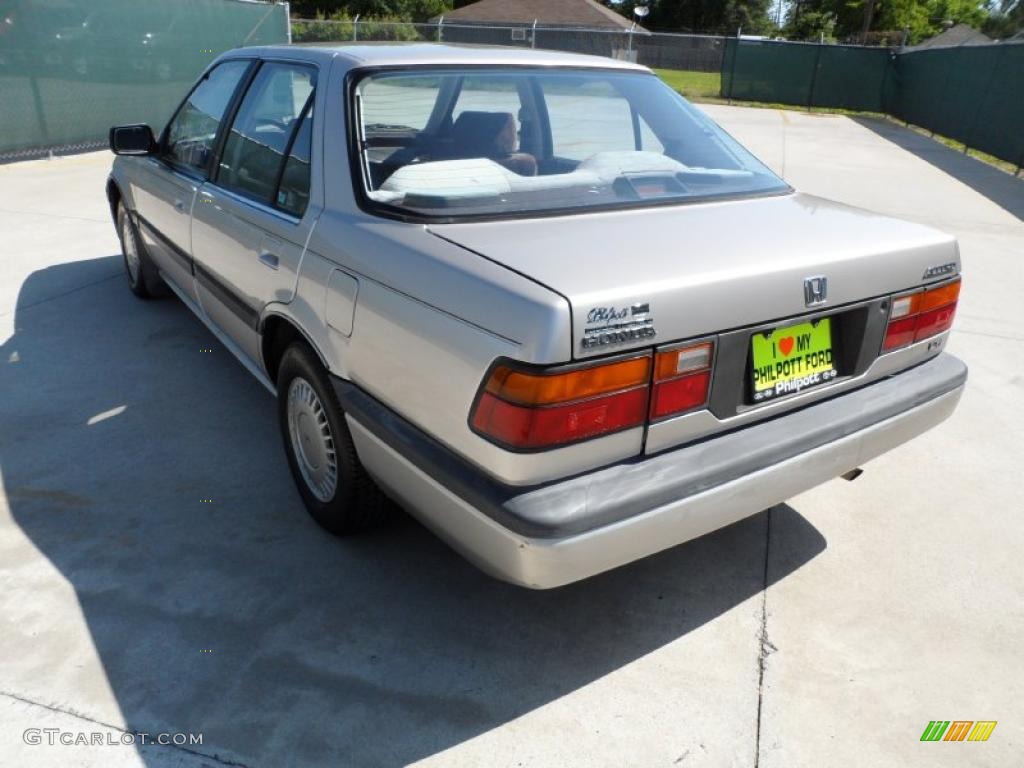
x,y
316,438
143,278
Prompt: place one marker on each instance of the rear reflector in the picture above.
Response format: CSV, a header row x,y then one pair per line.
x,y
681,380
526,409
921,315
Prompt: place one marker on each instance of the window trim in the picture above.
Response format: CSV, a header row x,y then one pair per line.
x,y
377,209
236,104
243,83
299,124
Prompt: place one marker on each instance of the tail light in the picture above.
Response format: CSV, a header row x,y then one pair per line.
x,y
921,315
528,409
681,380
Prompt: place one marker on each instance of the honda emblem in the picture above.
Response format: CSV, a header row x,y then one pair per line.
x,y
815,290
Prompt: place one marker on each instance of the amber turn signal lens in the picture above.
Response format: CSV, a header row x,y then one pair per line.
x,y
940,297
524,388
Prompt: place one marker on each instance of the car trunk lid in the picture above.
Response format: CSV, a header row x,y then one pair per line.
x,y
636,278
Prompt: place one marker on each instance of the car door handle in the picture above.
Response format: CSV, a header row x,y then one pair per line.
x,y
269,259
179,206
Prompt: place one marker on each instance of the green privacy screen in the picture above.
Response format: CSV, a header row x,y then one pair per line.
x,y
805,74
69,69
972,94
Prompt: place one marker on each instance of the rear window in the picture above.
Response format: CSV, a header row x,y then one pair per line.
x,y
507,141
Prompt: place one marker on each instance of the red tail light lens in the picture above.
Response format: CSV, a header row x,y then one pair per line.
x,y
921,315
935,322
681,380
900,332
530,410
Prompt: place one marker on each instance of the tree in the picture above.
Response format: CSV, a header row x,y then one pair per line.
x,y
715,16
402,10
851,19
1005,19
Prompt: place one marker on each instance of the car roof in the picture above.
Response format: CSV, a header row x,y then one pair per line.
x,y
424,54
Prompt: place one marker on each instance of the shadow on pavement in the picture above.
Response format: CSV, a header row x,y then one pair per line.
x,y
1000,187
176,522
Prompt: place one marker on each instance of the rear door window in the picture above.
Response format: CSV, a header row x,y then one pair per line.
x,y
293,192
271,113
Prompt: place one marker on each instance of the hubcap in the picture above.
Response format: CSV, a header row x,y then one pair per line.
x,y
312,441
131,252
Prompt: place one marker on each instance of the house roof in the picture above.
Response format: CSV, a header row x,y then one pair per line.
x,y
958,34
548,13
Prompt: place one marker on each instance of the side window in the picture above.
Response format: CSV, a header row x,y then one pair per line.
x,y
588,117
405,102
268,116
495,93
191,133
293,192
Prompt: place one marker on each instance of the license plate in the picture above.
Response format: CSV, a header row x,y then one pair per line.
x,y
792,359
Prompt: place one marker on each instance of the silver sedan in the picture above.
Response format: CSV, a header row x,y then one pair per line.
x,y
538,299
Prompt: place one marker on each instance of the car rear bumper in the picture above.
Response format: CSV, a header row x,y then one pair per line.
x,y
561,532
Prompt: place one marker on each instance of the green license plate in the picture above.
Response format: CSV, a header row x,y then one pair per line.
x,y
792,359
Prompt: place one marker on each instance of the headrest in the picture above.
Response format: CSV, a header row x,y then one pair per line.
x,y
484,134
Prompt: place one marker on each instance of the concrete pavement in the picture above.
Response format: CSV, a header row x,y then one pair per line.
x,y
158,573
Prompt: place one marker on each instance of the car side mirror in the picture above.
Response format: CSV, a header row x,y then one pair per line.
x,y
132,140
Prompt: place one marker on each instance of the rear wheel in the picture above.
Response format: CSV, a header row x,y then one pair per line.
x,y
143,279
334,486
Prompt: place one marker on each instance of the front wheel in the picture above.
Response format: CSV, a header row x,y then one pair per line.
x,y
334,486
143,279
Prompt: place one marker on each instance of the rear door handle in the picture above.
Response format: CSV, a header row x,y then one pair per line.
x,y
269,259
179,206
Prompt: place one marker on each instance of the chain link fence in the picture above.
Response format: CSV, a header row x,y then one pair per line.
x,y
694,53
70,69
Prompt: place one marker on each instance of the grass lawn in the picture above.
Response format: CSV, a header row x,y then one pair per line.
x,y
697,86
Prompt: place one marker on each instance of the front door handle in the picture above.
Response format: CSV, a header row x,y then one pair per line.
x,y
269,259
179,206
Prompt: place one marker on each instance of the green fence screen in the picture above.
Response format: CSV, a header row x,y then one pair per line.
x,y
69,69
972,94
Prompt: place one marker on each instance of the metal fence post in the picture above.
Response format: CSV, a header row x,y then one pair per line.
x,y
440,23
288,16
732,65
355,28
814,73
533,35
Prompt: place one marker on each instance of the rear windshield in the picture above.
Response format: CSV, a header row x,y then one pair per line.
x,y
452,143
